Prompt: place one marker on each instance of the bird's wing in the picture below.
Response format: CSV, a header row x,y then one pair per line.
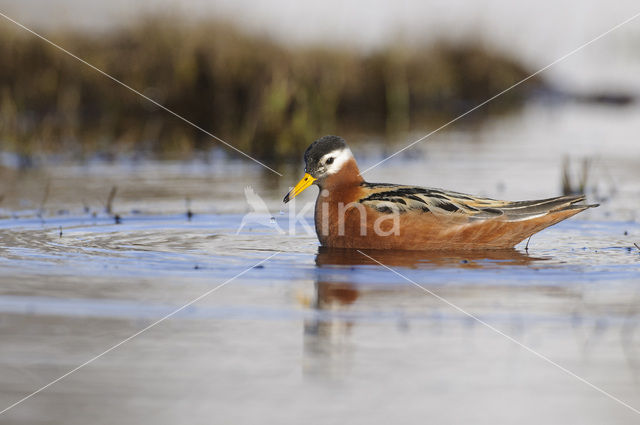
x,y
387,198
255,201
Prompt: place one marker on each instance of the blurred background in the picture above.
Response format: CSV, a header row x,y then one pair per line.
x,y
114,213
271,77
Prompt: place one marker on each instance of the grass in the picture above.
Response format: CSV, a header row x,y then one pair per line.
x,y
267,99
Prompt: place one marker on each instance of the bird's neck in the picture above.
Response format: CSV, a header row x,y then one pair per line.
x,y
349,175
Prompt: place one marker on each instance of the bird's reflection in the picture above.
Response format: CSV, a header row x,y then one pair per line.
x,y
336,295
423,259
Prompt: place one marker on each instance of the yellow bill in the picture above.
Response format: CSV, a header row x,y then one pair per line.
x,y
306,181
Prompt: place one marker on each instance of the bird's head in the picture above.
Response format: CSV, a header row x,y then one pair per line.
x,y
325,157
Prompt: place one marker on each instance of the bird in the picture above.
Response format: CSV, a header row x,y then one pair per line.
x,y
353,213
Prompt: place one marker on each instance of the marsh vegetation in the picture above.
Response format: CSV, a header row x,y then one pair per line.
x,y
267,98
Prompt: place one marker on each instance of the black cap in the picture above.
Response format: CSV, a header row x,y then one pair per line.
x,y
320,148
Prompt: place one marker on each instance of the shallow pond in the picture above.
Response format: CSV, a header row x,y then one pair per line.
x,y
314,335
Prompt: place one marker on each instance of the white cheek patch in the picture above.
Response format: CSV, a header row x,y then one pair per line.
x,y
340,156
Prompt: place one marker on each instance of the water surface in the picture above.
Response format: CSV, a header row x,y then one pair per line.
x,y
316,335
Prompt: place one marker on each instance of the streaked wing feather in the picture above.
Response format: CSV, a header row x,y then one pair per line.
x,y
389,197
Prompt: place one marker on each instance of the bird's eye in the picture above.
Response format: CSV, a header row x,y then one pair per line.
x,y
329,160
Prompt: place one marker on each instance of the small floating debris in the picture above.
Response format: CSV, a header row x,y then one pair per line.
x,y
110,198
189,212
109,206
578,187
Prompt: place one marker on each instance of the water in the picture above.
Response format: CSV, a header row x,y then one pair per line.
x,y
315,335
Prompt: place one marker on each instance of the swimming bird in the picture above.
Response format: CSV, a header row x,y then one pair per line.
x,y
353,213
